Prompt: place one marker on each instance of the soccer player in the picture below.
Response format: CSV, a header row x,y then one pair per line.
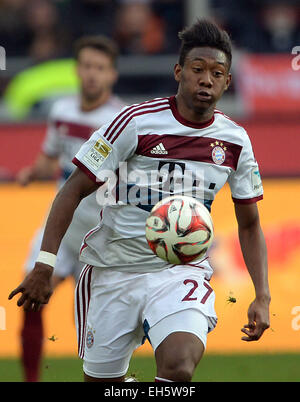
x,y
125,293
71,122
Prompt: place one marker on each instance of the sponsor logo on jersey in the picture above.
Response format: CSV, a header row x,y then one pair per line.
x,y
145,188
218,152
159,150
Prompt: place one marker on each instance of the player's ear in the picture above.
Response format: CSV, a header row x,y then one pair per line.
x,y
177,72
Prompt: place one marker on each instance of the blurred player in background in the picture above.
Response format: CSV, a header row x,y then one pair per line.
x,y
125,293
71,122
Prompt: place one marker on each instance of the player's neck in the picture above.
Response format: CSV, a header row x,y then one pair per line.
x,y
195,116
87,105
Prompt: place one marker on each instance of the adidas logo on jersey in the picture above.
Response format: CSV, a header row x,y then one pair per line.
x,y
159,150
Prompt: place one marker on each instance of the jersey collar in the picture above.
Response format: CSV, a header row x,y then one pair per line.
x,y
182,120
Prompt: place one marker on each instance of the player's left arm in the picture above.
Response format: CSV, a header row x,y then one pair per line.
x,y
36,288
254,251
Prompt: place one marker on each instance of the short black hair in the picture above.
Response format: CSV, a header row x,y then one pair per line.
x,y
97,42
204,33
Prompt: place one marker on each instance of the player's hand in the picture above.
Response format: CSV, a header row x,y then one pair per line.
x,y
36,288
258,320
24,176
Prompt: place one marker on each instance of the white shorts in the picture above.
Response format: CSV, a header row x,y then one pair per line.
x,y
117,311
67,261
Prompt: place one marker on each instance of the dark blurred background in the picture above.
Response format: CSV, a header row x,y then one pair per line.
x,y
37,35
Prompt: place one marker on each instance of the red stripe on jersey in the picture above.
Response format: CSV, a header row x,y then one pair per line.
x,y
247,200
137,114
80,317
83,302
82,167
83,295
82,248
84,245
188,148
74,129
152,103
89,280
78,314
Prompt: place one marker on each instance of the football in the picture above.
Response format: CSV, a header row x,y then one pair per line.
x,y
179,229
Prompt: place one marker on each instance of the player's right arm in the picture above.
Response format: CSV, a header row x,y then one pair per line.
x,y
45,167
36,288
101,153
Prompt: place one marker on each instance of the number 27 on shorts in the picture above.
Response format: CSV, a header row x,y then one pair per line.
x,y
190,295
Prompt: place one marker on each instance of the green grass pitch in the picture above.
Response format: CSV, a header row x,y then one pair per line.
x,y
213,367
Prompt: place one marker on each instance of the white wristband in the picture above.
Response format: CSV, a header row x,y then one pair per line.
x,y
46,258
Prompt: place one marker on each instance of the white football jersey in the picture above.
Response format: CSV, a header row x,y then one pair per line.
x,y
148,152
68,128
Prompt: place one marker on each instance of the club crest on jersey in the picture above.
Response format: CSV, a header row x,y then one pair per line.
x,y
89,339
218,152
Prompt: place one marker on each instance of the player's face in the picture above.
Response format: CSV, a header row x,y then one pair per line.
x,y
203,78
96,73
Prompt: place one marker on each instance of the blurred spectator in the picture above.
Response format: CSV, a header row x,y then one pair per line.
x,y
14,35
48,38
137,29
265,26
280,27
44,29
89,17
173,14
